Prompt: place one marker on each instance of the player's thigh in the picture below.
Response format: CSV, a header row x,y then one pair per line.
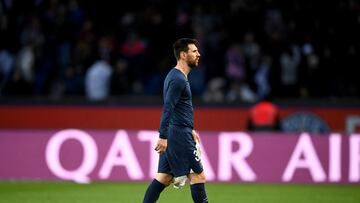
x,y
197,178
164,178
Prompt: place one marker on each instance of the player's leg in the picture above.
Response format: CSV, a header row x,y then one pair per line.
x,y
162,180
197,186
197,178
153,191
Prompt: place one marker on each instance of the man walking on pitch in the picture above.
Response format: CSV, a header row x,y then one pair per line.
x,y
178,143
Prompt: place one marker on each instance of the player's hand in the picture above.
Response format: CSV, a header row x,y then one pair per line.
x,y
196,136
161,145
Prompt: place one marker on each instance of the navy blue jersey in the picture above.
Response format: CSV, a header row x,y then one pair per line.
x,y
177,109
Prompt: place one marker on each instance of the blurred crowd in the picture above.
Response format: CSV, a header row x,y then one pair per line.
x,y
250,49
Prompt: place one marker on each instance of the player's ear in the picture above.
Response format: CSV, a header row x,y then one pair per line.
x,y
183,54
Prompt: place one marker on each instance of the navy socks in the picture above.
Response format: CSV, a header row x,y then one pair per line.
x,y
155,188
198,193
153,192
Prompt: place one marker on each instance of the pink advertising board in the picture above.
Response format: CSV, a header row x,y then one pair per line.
x,y
87,155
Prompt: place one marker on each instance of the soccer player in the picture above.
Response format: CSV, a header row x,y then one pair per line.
x,y
178,142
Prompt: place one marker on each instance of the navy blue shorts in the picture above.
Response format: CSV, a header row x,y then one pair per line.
x,y
180,156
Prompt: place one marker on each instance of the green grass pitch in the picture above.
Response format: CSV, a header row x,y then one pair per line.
x,y
114,192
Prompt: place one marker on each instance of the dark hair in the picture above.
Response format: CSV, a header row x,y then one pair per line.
x,y
182,45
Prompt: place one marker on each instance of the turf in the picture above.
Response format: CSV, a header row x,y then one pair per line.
x,y
105,192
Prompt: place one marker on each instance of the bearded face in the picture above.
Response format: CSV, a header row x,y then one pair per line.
x,y
192,62
193,56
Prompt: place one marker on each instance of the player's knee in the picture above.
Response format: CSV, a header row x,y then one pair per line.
x,y
197,178
201,177
163,178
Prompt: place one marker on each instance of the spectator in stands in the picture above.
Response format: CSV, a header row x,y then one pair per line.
x,y
289,69
133,49
97,81
261,78
119,83
49,36
236,74
6,67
